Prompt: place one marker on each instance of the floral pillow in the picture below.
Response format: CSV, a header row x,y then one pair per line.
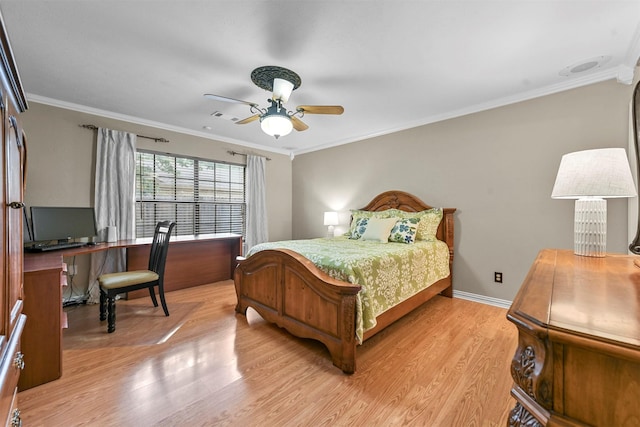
x,y
405,230
358,227
429,221
357,214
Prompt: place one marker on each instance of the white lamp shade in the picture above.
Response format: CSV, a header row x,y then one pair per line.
x,y
590,176
601,173
282,89
276,125
331,218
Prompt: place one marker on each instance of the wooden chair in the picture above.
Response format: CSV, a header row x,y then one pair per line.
x,y
112,284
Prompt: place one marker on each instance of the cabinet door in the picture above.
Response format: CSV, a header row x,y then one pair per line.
x,y
14,163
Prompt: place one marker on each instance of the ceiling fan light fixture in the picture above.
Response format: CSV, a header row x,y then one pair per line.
x,y
276,123
276,120
282,89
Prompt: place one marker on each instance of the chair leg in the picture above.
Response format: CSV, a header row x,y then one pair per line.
x,y
111,316
103,305
153,296
162,300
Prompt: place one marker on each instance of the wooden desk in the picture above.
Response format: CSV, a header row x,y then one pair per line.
x,y
578,355
191,261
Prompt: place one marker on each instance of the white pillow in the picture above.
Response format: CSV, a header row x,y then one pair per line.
x,y
379,229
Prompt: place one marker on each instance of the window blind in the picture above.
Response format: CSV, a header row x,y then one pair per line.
x,y
201,196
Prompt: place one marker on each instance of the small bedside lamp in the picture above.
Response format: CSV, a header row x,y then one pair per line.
x,y
330,219
590,176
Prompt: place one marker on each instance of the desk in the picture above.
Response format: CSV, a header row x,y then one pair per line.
x,y
578,356
191,261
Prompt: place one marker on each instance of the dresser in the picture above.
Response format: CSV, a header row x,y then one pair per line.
x,y
578,356
13,161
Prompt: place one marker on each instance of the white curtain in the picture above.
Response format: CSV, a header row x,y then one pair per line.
x,y
114,200
256,202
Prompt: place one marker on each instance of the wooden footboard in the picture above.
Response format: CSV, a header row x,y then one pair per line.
x,y
287,289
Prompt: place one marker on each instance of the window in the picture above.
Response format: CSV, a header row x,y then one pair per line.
x,y
200,195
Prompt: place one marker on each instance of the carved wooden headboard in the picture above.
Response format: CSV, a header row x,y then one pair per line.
x,y
409,203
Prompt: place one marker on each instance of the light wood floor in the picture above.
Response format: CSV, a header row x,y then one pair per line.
x,y
446,364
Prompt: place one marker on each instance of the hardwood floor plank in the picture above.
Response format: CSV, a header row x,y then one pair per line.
x,y
445,364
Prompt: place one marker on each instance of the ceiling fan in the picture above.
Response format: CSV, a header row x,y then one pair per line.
x,y
276,120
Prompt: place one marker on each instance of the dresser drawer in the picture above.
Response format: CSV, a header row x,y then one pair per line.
x,y
10,368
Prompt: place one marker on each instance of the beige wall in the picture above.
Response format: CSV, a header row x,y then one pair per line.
x,y
497,167
61,163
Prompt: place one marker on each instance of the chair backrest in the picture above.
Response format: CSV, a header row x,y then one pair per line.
x,y
160,246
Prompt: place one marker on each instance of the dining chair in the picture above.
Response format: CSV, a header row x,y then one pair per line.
x,y
112,284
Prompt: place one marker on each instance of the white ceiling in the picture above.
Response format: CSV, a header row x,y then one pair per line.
x,y
392,64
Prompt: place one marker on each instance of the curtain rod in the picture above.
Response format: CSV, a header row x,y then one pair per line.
x,y
94,127
236,153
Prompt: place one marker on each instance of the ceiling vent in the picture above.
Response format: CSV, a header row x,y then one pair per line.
x,y
220,115
584,66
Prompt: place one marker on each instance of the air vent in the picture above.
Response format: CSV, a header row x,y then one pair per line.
x,y
584,66
221,115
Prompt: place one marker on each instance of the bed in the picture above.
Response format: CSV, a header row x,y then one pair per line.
x,y
288,289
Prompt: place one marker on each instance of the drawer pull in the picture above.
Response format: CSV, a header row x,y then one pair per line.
x,y
18,360
16,421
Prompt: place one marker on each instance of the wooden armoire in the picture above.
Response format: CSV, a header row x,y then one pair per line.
x,y
13,157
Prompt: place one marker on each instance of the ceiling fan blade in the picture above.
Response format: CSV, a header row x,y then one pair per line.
x,y
321,109
248,119
298,124
227,99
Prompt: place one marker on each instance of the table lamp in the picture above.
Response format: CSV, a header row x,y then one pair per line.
x,y
330,219
590,176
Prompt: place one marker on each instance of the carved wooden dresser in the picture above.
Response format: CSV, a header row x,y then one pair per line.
x,y
578,355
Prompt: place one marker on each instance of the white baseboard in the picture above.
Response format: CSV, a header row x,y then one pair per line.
x,y
502,303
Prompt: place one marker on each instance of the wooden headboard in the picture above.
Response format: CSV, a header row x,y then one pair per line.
x,y
409,203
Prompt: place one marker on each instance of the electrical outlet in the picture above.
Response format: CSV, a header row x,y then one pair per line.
x,y
497,277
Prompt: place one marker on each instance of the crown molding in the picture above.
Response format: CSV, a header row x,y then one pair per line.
x,y
570,83
632,58
626,73
139,121
621,73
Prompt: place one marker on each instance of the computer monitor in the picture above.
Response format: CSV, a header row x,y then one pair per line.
x,y
62,223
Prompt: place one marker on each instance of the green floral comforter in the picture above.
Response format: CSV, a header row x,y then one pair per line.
x,y
389,273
